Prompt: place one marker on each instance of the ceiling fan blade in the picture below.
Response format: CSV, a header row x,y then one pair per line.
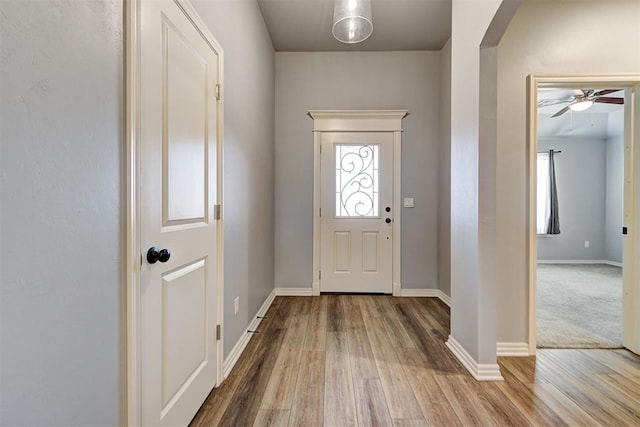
x,y
550,102
561,112
609,100
605,92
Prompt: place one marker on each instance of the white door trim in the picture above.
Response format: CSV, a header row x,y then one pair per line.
x,y
133,247
631,285
358,121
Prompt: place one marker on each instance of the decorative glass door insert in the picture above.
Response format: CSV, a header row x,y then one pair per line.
x,y
356,180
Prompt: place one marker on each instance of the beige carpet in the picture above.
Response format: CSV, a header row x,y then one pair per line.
x,y
579,306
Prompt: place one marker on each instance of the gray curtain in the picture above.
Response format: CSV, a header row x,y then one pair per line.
x,y
554,216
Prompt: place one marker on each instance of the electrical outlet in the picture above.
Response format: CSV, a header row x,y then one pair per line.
x,y
236,305
587,244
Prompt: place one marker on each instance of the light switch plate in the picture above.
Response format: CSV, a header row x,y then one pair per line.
x,y
408,202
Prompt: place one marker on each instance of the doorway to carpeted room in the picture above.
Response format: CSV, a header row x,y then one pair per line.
x,y
579,306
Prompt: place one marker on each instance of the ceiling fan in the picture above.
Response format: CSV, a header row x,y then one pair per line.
x,y
583,100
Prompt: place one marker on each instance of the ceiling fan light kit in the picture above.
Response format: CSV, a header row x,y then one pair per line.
x,y
583,101
581,105
352,21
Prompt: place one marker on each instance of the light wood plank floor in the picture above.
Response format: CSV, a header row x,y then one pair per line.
x,y
377,360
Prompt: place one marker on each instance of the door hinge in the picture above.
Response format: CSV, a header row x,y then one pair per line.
x,y
216,212
624,230
319,274
217,91
320,211
217,332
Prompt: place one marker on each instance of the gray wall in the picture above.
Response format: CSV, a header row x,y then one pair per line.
x,y
615,187
248,209
541,40
444,192
356,80
62,186
62,189
580,174
589,172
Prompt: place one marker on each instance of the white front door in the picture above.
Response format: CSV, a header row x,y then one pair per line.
x,y
356,216
178,190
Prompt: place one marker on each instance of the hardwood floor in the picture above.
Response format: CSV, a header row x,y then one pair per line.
x,y
377,360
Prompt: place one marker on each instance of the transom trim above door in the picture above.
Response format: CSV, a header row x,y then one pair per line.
x,y
357,120
358,251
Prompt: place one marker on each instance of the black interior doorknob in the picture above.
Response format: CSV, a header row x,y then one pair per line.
x,y
388,220
164,255
154,255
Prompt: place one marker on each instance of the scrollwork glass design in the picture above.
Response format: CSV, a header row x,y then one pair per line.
x,y
356,180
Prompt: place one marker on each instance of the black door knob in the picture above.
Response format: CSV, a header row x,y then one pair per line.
x,y
154,255
388,220
387,209
164,255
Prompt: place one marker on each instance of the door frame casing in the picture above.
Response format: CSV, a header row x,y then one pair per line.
x,y
131,399
631,194
356,121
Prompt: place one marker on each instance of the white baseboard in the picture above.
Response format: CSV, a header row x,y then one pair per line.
x,y
237,349
294,292
579,261
428,293
512,349
397,290
479,371
445,298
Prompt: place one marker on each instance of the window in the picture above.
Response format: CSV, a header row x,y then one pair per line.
x,y
543,193
356,180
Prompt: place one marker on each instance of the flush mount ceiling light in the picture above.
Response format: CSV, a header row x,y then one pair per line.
x,y
581,105
352,22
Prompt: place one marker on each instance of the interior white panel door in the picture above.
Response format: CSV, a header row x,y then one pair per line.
x,y
178,111
631,220
356,218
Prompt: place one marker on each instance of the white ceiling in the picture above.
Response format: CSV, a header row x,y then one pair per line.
x,y
305,25
599,121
